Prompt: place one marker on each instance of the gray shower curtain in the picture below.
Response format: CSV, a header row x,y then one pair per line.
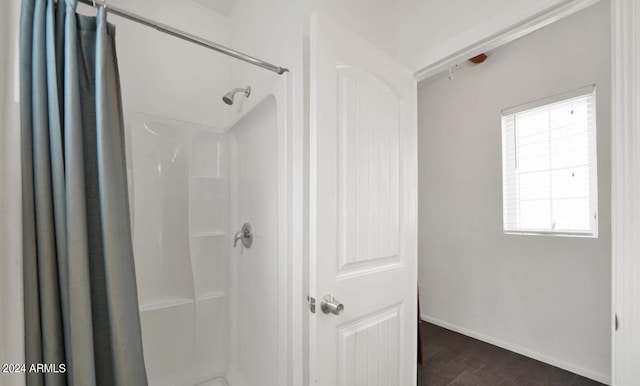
x,y
80,296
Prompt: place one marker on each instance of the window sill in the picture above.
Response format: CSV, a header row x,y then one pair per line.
x,y
585,235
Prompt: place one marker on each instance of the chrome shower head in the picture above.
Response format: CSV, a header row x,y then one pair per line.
x,y
228,97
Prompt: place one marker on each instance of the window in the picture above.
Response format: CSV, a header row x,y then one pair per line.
x,y
549,166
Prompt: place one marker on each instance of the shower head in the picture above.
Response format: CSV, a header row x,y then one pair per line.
x,y
228,97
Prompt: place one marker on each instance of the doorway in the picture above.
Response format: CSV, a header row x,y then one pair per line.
x,y
547,297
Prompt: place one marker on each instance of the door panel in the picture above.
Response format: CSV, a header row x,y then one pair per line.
x,y
368,350
368,127
363,194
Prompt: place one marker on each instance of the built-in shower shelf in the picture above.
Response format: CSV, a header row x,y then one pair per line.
x,y
208,234
212,295
165,304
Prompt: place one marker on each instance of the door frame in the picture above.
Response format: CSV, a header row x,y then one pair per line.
x,y
625,182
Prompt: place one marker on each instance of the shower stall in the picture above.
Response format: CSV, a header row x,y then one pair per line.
x,y
209,210
199,167
213,313
208,204
210,310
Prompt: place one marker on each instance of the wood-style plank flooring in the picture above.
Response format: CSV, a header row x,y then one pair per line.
x,y
455,359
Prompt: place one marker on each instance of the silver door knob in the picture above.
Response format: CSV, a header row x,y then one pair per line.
x,y
245,235
331,305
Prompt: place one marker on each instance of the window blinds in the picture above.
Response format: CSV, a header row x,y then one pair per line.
x,y
549,165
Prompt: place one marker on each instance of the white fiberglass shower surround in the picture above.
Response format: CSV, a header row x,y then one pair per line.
x,y
192,188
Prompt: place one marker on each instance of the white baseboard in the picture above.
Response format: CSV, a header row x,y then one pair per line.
x,y
520,350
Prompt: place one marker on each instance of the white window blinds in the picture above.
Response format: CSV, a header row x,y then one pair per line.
x,y
549,165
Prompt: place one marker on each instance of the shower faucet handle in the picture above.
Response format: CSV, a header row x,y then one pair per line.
x,y
245,234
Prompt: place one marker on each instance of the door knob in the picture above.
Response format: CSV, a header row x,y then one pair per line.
x,y
331,305
245,235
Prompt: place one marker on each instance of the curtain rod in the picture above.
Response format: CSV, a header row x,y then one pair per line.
x,y
186,36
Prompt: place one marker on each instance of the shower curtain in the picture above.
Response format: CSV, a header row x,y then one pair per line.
x,y
80,296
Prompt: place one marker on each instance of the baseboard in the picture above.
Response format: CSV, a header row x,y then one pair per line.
x,y
520,350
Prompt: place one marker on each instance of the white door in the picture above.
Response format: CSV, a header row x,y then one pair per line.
x,y
363,209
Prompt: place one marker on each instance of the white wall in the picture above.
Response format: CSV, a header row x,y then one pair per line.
x,y
11,315
545,296
270,31
376,21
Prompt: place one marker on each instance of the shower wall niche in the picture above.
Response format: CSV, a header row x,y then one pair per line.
x,y
179,197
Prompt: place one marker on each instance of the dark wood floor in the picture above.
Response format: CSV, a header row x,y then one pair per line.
x,y
454,359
